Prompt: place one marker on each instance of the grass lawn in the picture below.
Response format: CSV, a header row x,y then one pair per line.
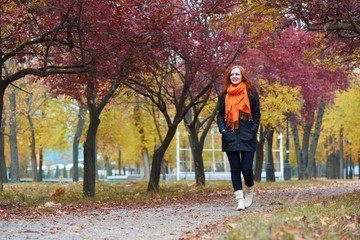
x,y
328,218
35,194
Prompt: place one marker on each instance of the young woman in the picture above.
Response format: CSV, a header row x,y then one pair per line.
x,y
238,121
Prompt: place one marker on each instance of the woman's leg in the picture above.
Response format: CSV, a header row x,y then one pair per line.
x,y
235,168
247,159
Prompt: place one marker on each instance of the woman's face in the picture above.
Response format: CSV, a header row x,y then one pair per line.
x,y
235,76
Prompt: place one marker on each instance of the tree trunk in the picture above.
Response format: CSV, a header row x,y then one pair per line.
x,y
163,169
193,126
89,156
327,159
341,157
359,163
1,181
96,161
3,86
337,156
346,165
153,185
77,137
2,150
333,160
108,166
137,170
41,160
311,162
146,162
15,176
259,155
140,127
270,170
299,154
35,177
305,147
331,166
196,151
119,162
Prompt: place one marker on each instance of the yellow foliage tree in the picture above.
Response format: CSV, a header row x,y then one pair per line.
x,y
128,125
343,114
277,103
254,20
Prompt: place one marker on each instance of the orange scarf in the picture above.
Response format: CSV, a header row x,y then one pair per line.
x,y
237,105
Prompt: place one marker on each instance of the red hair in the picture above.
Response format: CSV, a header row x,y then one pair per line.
x,y
244,76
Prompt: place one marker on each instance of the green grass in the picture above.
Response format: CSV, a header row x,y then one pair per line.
x,y
33,195
331,218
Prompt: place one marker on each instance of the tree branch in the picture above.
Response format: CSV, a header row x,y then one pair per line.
x,y
353,24
43,72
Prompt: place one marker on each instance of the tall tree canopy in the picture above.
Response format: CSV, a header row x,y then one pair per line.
x,y
338,21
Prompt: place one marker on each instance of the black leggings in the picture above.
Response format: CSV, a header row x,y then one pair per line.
x,y
244,166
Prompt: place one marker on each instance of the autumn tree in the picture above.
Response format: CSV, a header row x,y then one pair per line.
x,y
114,41
93,86
190,53
277,102
33,35
339,121
252,24
337,42
198,127
287,61
337,22
139,122
133,134
30,111
36,118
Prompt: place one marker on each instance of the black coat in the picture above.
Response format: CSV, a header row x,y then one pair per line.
x,y
243,138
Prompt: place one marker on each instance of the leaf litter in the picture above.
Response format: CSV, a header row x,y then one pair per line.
x,y
208,215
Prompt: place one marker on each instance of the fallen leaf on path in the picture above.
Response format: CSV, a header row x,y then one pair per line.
x,y
58,192
350,226
52,204
325,221
303,218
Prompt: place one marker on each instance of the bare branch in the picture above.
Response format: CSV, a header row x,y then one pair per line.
x,y
41,72
42,102
353,24
19,88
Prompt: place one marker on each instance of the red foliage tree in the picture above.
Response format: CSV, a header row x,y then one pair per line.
x,y
32,37
112,41
286,60
338,20
193,53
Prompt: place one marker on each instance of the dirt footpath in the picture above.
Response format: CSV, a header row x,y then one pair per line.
x,y
164,221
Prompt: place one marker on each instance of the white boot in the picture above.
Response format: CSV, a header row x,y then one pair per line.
x,y
249,193
240,200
